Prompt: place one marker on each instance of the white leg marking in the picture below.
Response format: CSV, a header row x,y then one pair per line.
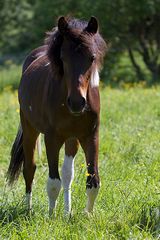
x,y
67,178
53,189
91,195
29,200
95,78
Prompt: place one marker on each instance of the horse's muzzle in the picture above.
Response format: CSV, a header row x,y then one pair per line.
x,y
76,106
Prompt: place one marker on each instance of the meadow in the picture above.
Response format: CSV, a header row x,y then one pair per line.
x,y
128,205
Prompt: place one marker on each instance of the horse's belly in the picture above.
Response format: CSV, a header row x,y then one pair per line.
x,y
36,119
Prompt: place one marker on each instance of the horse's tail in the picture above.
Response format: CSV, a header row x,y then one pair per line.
x,y
17,157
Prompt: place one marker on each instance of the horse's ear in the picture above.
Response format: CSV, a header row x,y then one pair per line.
x,y
92,25
62,25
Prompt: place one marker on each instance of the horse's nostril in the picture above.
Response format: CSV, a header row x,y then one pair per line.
x,y
76,105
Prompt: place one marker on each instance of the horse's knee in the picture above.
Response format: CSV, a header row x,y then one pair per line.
x,y
53,189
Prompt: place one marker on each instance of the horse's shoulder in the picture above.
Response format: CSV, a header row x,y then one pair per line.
x,y
33,55
41,63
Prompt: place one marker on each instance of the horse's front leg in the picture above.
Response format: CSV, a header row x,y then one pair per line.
x,y
90,147
53,145
71,148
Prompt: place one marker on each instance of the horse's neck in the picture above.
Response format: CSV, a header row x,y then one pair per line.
x,y
64,89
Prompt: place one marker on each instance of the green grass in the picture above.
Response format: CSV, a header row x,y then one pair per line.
x,y
9,75
128,205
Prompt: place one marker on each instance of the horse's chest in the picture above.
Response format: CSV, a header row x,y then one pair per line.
x,y
74,126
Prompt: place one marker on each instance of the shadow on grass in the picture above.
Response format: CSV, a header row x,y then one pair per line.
x,y
10,214
150,220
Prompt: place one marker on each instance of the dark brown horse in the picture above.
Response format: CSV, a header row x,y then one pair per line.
x,y
59,97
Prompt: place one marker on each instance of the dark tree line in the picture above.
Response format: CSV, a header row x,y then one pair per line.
x,y
130,27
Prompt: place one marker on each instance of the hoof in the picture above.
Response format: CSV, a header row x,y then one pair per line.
x,y
87,213
52,213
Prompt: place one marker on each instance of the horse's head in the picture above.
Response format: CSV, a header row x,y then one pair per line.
x,y
79,55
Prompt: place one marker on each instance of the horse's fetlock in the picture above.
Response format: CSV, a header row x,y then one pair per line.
x,y
93,181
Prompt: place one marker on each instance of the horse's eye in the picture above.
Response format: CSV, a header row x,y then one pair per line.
x,y
93,57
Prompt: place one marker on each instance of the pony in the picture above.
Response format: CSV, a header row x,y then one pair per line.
x,y
59,97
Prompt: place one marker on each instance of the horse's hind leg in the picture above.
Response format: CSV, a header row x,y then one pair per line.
x,y
71,147
29,142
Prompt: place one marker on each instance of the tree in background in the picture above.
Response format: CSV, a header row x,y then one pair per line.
x,y
131,27
15,19
146,34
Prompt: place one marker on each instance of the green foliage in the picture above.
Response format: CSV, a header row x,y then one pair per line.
x,y
15,18
128,26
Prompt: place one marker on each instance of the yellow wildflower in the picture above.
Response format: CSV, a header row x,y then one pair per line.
x,y
88,174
